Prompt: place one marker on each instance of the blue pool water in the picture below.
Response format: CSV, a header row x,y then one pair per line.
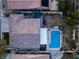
x,y
55,39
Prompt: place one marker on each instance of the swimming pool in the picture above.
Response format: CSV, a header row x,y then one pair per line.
x,y
55,39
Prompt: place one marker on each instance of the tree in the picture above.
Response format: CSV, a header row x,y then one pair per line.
x,y
71,19
69,13
6,37
65,5
2,48
73,47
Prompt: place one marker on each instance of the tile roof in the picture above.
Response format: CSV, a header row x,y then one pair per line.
x,y
25,41
19,25
30,56
24,33
23,4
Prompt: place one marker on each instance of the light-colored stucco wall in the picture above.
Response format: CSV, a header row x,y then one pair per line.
x,y
53,5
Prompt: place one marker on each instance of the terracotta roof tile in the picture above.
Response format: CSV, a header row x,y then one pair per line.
x,y
30,56
19,25
24,33
23,4
25,41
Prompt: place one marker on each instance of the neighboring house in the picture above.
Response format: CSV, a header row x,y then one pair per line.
x,y
23,4
27,4
32,5
30,56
